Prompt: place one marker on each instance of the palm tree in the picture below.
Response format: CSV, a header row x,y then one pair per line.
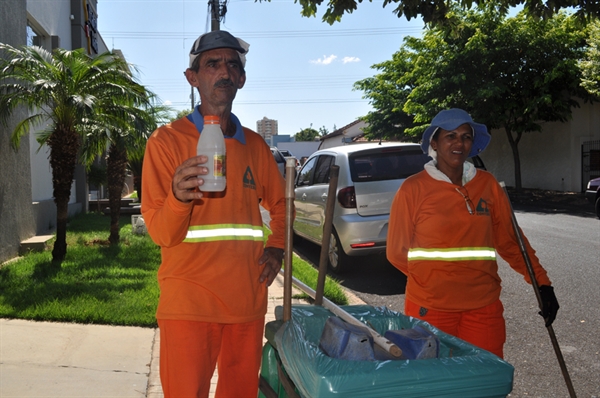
x,y
67,93
125,145
159,114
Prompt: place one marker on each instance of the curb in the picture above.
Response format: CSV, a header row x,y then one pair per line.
x,y
154,388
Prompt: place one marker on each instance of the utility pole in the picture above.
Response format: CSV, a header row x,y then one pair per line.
x,y
217,13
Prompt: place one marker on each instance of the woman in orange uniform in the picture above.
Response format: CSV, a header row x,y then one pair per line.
x,y
447,224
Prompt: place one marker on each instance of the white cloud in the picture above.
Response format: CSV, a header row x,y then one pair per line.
x,y
167,103
348,60
326,60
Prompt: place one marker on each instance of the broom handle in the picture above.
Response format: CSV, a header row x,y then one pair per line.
x,y
557,351
327,228
378,339
290,173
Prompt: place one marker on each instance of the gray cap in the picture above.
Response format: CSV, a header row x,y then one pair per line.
x,y
218,39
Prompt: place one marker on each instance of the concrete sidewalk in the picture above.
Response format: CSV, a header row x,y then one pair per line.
x,y
46,359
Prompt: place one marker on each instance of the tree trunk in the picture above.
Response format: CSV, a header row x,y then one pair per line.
x,y
64,146
137,185
116,168
514,146
136,168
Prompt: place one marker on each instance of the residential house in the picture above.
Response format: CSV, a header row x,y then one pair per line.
x,y
343,136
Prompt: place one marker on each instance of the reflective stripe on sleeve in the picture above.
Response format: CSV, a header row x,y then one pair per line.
x,y
454,254
220,232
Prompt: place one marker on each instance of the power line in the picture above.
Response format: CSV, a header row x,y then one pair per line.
x,y
139,35
284,102
269,83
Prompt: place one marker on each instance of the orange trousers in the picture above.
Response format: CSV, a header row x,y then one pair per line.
x,y
190,350
483,327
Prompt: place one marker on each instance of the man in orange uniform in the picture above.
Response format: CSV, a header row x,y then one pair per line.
x,y
446,225
215,268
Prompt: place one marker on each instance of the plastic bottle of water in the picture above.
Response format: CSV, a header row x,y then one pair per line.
x,y
212,145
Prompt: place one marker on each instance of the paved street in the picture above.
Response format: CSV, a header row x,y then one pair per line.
x,y
569,248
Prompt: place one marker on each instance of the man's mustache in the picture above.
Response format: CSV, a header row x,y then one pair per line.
x,y
224,83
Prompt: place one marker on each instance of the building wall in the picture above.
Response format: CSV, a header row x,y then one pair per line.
x,y
342,136
267,128
52,17
300,148
550,159
16,219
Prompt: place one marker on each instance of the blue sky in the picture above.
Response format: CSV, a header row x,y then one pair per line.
x,y
300,71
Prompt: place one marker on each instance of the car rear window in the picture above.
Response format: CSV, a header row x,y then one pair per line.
x,y
389,164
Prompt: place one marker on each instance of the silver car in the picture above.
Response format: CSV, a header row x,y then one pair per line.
x,y
370,174
279,159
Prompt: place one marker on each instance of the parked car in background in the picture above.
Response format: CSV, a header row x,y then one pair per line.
x,y
592,193
288,155
369,176
286,152
280,159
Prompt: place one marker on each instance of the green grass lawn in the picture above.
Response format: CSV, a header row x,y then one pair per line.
x,y
98,283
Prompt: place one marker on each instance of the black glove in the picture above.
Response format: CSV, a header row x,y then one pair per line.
x,y
549,304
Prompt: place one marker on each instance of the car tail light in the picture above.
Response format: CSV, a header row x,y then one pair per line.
x,y
361,245
347,198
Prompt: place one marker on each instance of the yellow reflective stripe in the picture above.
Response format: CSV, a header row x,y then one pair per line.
x,y
454,254
219,232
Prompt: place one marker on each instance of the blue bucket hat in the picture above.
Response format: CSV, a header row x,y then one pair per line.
x,y
451,119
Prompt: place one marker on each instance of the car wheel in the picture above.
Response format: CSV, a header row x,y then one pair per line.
x,y
338,259
598,206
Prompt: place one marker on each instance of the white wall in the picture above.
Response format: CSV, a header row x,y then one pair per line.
x,y
342,139
550,159
52,17
300,148
41,172
48,18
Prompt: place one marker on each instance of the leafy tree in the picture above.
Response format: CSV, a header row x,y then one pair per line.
x,y
159,115
180,114
70,96
590,64
439,12
510,73
388,92
307,134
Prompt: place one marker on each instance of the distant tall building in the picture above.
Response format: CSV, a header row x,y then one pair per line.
x,y
266,128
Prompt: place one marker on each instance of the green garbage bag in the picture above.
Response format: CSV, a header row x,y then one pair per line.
x,y
461,370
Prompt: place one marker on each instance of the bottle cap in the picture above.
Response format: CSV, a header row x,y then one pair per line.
x,y
210,119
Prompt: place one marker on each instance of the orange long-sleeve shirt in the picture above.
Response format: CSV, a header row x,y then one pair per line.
x,y
210,248
447,253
